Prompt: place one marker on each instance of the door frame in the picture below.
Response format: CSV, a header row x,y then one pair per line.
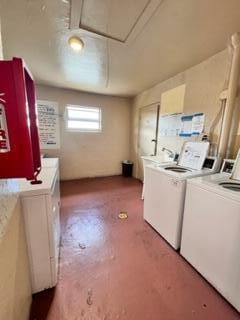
x,y
156,132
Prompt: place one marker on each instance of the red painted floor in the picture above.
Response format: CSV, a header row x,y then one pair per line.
x,y
114,269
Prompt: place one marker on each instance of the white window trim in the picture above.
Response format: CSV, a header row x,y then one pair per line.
x,y
76,119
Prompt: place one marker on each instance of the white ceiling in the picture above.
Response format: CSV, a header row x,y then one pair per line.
x,y
155,39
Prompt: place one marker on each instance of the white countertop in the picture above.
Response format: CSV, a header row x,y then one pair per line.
x,y
47,176
11,189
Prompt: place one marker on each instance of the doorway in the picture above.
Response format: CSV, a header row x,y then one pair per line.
x,y
148,133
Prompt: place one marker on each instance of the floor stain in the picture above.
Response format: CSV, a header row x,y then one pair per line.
x,y
82,246
90,297
82,312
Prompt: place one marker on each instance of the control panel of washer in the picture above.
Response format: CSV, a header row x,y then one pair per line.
x,y
227,165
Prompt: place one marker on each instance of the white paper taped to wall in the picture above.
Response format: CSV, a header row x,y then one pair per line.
x,y
49,128
186,127
198,123
192,124
170,125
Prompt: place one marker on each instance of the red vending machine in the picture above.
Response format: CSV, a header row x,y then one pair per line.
x,y
19,141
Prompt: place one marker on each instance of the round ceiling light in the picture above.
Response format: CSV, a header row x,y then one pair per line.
x,y
76,43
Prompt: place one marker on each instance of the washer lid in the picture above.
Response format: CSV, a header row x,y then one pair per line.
x,y
219,183
180,173
193,154
231,186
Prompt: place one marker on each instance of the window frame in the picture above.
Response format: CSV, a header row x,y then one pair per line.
x,y
77,107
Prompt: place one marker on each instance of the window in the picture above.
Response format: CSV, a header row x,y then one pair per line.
x,y
87,119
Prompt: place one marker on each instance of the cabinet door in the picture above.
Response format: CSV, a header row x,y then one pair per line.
x,y
36,227
148,131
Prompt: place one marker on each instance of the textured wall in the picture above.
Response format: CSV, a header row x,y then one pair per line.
x,y
92,154
204,82
15,289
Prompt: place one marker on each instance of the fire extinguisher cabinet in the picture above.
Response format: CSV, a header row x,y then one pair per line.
x,y
19,142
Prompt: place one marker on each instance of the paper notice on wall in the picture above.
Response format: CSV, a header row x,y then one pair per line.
x,y
192,124
170,125
163,126
49,128
198,123
186,128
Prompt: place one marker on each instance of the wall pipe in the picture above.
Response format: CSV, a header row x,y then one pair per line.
x,y
223,149
232,142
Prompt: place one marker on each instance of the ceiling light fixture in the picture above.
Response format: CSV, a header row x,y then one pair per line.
x,y
76,43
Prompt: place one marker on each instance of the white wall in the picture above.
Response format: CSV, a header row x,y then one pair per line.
x,y
91,154
204,82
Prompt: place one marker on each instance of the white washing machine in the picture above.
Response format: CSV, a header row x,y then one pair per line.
x,y
154,160
41,212
165,190
211,231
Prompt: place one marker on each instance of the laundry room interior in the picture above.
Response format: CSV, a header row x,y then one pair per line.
x,y
119,160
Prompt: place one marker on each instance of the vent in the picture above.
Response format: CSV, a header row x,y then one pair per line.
x,y
118,20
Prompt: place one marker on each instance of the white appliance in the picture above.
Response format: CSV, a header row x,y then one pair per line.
x,y
50,163
165,191
236,169
211,231
41,206
154,160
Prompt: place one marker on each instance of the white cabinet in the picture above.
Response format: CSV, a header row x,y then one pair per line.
x,y
41,208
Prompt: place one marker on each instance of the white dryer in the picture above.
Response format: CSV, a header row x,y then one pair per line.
x,y
165,191
211,231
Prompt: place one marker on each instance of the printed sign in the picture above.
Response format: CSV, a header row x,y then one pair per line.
x,y
4,137
193,154
198,123
170,125
186,130
192,124
48,119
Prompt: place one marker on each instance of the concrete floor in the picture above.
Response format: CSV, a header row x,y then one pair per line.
x,y
114,269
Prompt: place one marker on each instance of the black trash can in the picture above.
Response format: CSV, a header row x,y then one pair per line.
x,y
127,168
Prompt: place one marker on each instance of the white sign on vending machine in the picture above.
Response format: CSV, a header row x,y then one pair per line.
x,y
4,137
